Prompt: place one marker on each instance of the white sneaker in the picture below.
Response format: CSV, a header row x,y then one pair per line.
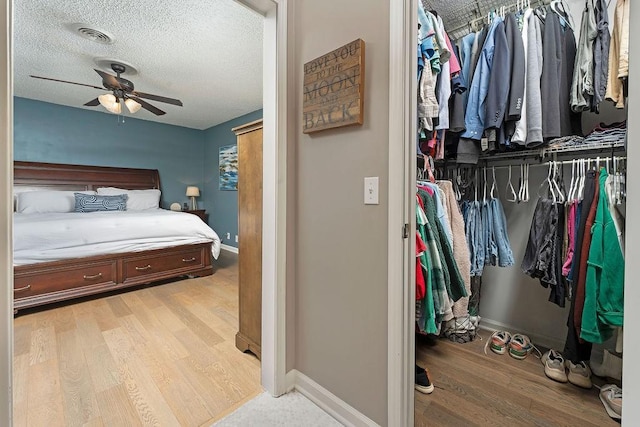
x,y
579,374
611,397
554,366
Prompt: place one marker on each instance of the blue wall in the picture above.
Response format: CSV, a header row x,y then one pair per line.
x,y
222,206
45,132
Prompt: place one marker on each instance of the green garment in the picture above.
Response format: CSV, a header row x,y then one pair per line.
x,y
604,287
454,282
427,321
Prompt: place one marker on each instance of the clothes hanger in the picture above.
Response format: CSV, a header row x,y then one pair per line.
x,y
521,189
493,186
484,194
572,183
526,182
548,183
558,188
582,178
510,190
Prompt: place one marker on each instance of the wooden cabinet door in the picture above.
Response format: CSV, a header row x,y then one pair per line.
x,y
250,240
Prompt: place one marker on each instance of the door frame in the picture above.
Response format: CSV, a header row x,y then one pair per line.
x,y
274,190
6,212
403,30
275,110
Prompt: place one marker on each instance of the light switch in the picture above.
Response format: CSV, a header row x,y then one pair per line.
x,y
371,190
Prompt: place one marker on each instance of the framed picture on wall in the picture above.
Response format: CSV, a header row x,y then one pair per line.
x,y
228,166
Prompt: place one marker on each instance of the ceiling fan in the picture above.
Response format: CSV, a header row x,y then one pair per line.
x,y
122,92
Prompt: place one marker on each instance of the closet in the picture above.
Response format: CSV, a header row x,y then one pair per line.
x,y
504,152
249,139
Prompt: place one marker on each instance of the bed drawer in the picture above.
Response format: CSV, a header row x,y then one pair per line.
x,y
70,280
148,267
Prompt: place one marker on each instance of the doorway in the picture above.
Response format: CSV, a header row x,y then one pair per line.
x,y
274,209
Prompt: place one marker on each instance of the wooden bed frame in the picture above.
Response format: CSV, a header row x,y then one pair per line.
x,y
48,282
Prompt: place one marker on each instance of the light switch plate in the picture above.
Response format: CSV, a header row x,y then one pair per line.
x,y
371,192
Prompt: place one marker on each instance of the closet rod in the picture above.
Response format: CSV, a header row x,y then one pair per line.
x,y
603,161
565,151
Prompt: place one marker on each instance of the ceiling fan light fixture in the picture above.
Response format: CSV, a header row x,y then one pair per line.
x,y
132,105
110,102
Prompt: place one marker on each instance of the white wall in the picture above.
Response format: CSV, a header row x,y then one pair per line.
x,y
341,244
631,371
6,216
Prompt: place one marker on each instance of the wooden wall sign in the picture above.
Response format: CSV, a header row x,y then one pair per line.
x,y
334,89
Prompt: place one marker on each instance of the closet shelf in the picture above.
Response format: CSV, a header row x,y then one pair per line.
x,y
549,153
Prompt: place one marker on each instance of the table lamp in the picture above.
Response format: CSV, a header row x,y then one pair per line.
x,y
193,192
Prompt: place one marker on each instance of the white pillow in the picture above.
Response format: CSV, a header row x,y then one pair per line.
x,y
51,201
139,200
24,188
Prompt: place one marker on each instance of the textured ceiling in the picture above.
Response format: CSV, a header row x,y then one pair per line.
x,y
206,53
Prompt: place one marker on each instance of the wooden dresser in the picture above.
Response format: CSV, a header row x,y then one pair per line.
x,y
249,138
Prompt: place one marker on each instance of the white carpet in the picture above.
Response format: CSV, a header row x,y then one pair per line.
x,y
289,410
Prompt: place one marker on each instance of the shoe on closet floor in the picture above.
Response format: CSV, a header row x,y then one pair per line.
x,y
499,342
611,397
579,374
554,367
423,382
520,347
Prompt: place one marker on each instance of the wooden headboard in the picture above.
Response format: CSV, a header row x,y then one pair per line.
x,y
79,177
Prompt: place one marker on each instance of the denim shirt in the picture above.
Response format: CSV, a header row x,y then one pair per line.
x,y
474,119
465,57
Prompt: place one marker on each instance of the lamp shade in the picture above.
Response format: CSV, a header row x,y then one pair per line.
x,y
110,102
193,192
132,105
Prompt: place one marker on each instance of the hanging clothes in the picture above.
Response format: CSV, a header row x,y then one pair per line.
x,y
460,248
559,50
582,86
619,55
604,286
600,54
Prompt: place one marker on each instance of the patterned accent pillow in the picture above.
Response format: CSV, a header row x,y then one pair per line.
x,y
95,203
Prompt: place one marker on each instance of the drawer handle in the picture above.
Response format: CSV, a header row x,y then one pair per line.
x,y
95,276
24,288
189,260
147,267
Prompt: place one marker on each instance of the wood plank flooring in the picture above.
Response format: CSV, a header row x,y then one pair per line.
x,y
161,355
472,389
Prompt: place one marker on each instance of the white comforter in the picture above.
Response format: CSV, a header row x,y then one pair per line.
x,y
56,236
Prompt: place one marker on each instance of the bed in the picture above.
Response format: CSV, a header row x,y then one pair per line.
x,y
102,251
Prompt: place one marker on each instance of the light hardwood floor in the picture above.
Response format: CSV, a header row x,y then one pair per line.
x,y
472,389
161,355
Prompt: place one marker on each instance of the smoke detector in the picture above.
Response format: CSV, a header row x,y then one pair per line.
x,y
88,32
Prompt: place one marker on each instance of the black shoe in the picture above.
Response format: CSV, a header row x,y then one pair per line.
x,y
423,383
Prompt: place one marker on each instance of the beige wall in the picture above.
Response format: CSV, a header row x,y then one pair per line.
x,y
341,244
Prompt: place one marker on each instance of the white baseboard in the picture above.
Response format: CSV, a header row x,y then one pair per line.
x,y
328,401
290,380
228,248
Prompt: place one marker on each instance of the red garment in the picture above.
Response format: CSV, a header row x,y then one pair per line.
x,y
584,256
421,285
428,190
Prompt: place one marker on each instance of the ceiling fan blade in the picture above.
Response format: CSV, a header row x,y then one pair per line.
x,y
109,79
147,106
158,98
65,81
93,103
